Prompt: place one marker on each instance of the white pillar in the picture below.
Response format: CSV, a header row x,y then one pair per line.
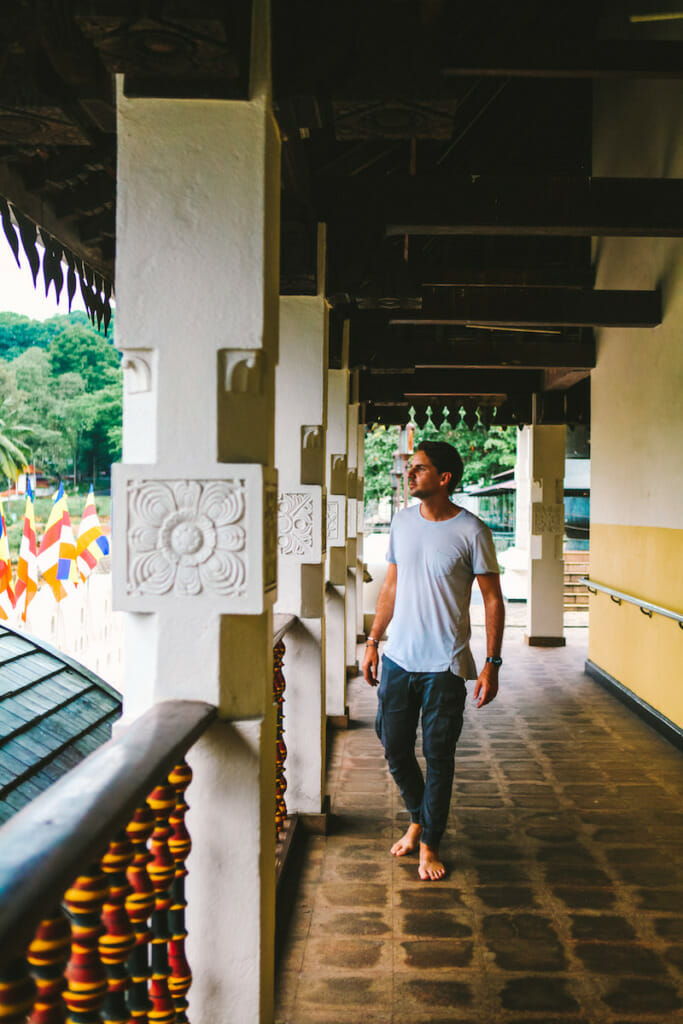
x,y
540,510
353,581
300,428
360,525
195,502
335,591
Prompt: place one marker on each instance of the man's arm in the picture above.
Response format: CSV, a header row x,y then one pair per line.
x,y
494,609
383,615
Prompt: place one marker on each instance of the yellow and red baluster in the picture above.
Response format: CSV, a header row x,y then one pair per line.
x,y
48,955
17,992
280,748
139,905
85,975
180,846
162,801
118,940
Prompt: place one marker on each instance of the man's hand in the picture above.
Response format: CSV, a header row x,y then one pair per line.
x,y
487,685
370,665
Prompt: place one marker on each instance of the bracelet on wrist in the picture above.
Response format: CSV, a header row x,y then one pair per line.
x,y
371,640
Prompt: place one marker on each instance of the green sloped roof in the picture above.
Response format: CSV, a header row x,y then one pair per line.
x,y
53,713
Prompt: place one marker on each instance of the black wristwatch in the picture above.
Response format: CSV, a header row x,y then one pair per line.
x,y
495,660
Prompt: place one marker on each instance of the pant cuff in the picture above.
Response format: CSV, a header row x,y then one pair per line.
x,y
431,837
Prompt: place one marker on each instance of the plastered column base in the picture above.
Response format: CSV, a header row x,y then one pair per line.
x,y
304,717
545,641
231,883
335,651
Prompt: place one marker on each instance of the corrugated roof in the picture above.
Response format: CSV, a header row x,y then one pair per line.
x,y
53,713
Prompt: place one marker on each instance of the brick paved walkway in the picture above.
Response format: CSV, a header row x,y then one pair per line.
x,y
564,900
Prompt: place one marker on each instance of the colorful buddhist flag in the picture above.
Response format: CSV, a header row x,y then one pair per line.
x,y
27,566
91,543
57,552
6,591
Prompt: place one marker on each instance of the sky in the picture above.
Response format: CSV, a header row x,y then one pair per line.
x,y
17,294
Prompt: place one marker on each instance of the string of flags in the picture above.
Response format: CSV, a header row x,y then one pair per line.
x,y
64,560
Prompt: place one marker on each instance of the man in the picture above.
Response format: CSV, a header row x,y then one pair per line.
x,y
436,550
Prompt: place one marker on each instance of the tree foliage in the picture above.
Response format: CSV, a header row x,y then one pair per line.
x,y
13,435
67,388
484,452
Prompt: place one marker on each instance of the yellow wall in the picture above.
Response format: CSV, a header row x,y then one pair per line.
x,y
637,413
644,654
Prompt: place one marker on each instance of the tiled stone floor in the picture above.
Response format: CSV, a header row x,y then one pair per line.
x,y
564,898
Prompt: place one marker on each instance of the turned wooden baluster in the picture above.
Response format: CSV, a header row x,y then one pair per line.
x,y
17,991
139,905
161,869
118,940
85,975
180,846
280,748
48,955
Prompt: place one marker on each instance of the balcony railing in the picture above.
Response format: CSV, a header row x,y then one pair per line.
x,y
107,842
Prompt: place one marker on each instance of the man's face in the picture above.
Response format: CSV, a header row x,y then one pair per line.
x,y
424,479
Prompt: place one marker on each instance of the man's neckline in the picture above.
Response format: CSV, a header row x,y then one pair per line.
x,y
446,520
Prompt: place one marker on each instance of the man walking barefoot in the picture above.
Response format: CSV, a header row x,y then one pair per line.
x,y
436,550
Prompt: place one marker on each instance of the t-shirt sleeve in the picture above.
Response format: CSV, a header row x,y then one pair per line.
x,y
391,555
483,552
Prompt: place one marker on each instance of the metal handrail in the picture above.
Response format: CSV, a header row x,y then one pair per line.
x,y
646,607
65,829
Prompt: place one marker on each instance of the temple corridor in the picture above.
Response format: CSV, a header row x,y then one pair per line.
x,y
564,898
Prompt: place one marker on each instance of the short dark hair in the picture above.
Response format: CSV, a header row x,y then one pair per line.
x,y
445,459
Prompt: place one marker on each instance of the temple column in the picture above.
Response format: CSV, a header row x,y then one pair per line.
x,y
360,523
540,514
354,581
195,499
335,590
300,428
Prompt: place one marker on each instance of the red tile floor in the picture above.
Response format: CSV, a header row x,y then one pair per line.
x,y
564,897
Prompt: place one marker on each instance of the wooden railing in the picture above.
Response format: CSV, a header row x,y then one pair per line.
x,y
108,843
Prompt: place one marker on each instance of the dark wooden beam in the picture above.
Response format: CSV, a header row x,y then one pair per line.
x,y
569,207
537,307
506,277
560,379
566,58
515,352
396,387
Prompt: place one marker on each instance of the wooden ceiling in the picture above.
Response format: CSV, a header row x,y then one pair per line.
x,y
447,146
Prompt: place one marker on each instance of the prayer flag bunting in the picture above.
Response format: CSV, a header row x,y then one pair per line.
x,y
27,566
6,591
91,543
57,552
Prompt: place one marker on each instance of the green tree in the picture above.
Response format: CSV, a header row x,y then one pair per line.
x,y
80,349
14,455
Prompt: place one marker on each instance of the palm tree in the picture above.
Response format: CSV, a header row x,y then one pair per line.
x,y
14,455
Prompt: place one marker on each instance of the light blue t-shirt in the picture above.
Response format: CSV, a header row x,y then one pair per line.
x,y
436,565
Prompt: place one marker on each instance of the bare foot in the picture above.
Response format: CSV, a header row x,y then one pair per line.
x,y
409,842
431,869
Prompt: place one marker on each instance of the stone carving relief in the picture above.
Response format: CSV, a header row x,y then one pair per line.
x,y
333,508
312,454
546,518
186,537
137,370
242,371
312,436
295,523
